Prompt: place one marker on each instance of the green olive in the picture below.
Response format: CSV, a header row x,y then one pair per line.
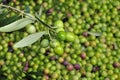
x,y
59,29
54,43
45,43
59,24
31,29
61,35
70,36
59,50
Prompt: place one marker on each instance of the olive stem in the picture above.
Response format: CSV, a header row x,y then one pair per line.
x,y
17,10
42,22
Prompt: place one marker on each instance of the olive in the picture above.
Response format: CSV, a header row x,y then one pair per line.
x,y
31,29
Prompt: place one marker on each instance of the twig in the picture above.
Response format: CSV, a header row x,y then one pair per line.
x,y
17,10
42,22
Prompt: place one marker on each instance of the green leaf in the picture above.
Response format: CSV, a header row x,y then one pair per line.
x,y
9,20
40,11
116,46
1,10
94,33
27,9
19,24
29,39
4,14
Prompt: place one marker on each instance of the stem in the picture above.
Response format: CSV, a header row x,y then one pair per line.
x,y
42,22
17,10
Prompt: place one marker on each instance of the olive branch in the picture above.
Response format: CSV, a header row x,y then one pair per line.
x,y
21,23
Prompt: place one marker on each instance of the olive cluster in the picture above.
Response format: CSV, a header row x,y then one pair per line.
x,y
72,53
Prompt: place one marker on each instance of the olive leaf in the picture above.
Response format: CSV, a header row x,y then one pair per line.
x,y
94,33
27,9
1,10
4,14
115,45
29,39
9,20
40,11
21,23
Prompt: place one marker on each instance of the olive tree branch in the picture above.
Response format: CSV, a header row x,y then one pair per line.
x,y
36,17
17,10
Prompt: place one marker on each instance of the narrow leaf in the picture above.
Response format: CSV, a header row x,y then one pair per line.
x,y
40,11
94,33
21,23
9,20
29,39
115,45
1,10
4,14
27,9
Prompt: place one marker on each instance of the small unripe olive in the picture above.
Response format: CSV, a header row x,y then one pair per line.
x,y
58,24
59,50
59,29
45,43
31,29
61,35
70,36
54,43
